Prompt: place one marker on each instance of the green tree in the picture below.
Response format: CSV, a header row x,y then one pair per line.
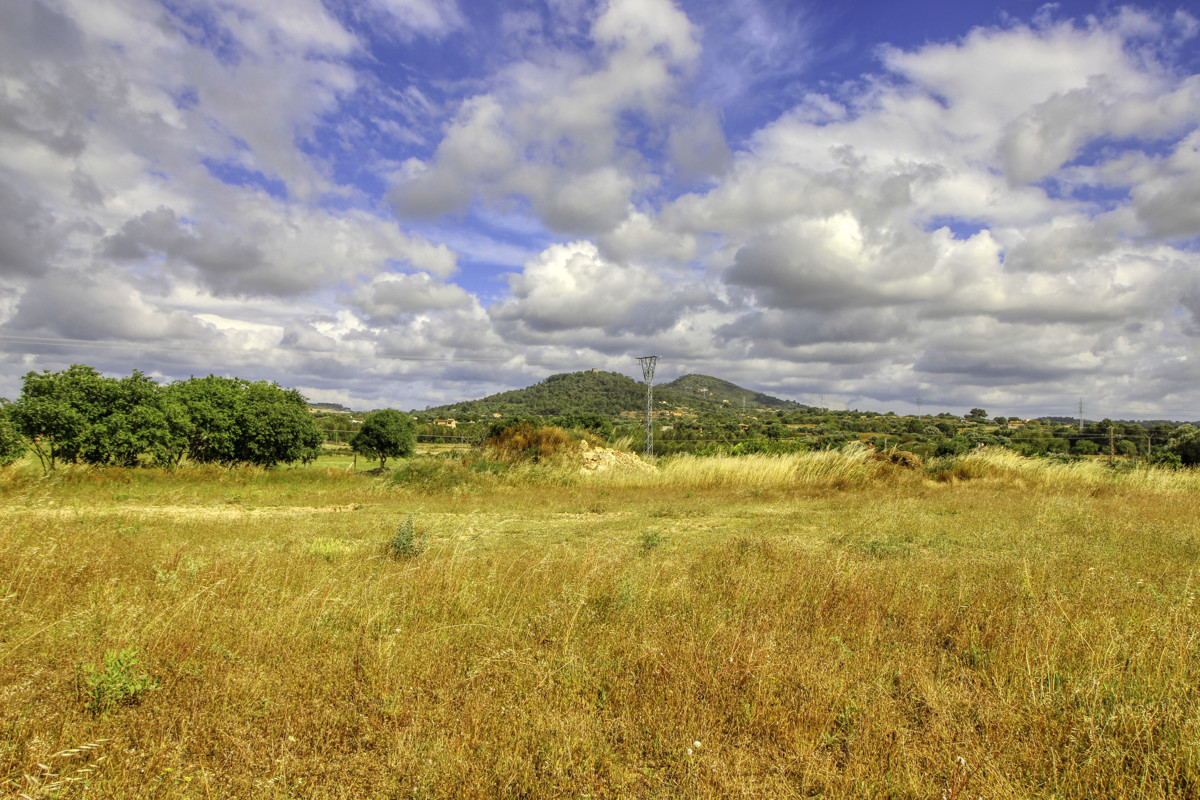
x,y
276,426
12,444
138,419
385,434
56,409
209,411
233,421
977,414
1185,443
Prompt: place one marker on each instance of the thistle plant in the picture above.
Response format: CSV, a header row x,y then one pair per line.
x,y
405,542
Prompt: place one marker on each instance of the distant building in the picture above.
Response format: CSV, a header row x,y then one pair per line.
x,y
446,423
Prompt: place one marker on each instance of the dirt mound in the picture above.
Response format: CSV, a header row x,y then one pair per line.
x,y
599,459
901,458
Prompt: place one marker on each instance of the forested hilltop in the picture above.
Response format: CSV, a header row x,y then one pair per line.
x,y
611,394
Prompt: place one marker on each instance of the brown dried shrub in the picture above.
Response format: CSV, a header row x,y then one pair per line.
x,y
527,442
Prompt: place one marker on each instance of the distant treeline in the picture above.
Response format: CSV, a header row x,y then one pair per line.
x,y
681,429
79,416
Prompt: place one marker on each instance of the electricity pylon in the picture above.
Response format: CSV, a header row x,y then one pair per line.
x,y
648,363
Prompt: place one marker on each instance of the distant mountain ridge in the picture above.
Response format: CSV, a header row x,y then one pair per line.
x,y
332,408
611,394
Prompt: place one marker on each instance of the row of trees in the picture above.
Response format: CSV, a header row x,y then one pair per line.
x,y
791,430
79,416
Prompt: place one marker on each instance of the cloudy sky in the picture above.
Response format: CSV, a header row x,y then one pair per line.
x,y
410,202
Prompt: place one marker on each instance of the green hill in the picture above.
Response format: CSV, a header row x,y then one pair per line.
x,y
707,390
611,394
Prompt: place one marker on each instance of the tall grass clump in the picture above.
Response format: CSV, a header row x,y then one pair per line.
x,y
1002,465
853,466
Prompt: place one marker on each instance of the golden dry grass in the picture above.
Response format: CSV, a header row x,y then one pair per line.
x,y
823,625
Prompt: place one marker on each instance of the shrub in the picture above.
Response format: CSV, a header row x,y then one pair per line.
x,y
651,539
527,442
956,446
901,458
1166,460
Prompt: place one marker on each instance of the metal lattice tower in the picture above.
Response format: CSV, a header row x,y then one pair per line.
x,y
648,363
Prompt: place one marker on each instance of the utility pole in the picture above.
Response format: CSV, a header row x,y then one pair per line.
x,y
648,363
1112,447
1081,415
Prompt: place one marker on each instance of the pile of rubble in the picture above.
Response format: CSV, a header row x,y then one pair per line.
x,y
599,459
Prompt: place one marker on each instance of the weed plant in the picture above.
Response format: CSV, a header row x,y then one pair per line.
x,y
406,542
118,682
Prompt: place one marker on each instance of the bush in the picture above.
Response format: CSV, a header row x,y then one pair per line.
x,y
651,539
956,446
1166,460
527,442
595,424
1185,444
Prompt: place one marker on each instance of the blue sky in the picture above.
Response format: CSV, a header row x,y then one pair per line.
x,y
411,202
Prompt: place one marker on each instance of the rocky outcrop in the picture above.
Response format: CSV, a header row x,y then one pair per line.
x,y
599,459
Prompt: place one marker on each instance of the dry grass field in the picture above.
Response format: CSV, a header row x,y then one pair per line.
x,y
823,625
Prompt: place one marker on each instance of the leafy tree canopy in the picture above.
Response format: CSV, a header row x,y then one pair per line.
x,y
78,415
1185,443
12,444
385,434
234,421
